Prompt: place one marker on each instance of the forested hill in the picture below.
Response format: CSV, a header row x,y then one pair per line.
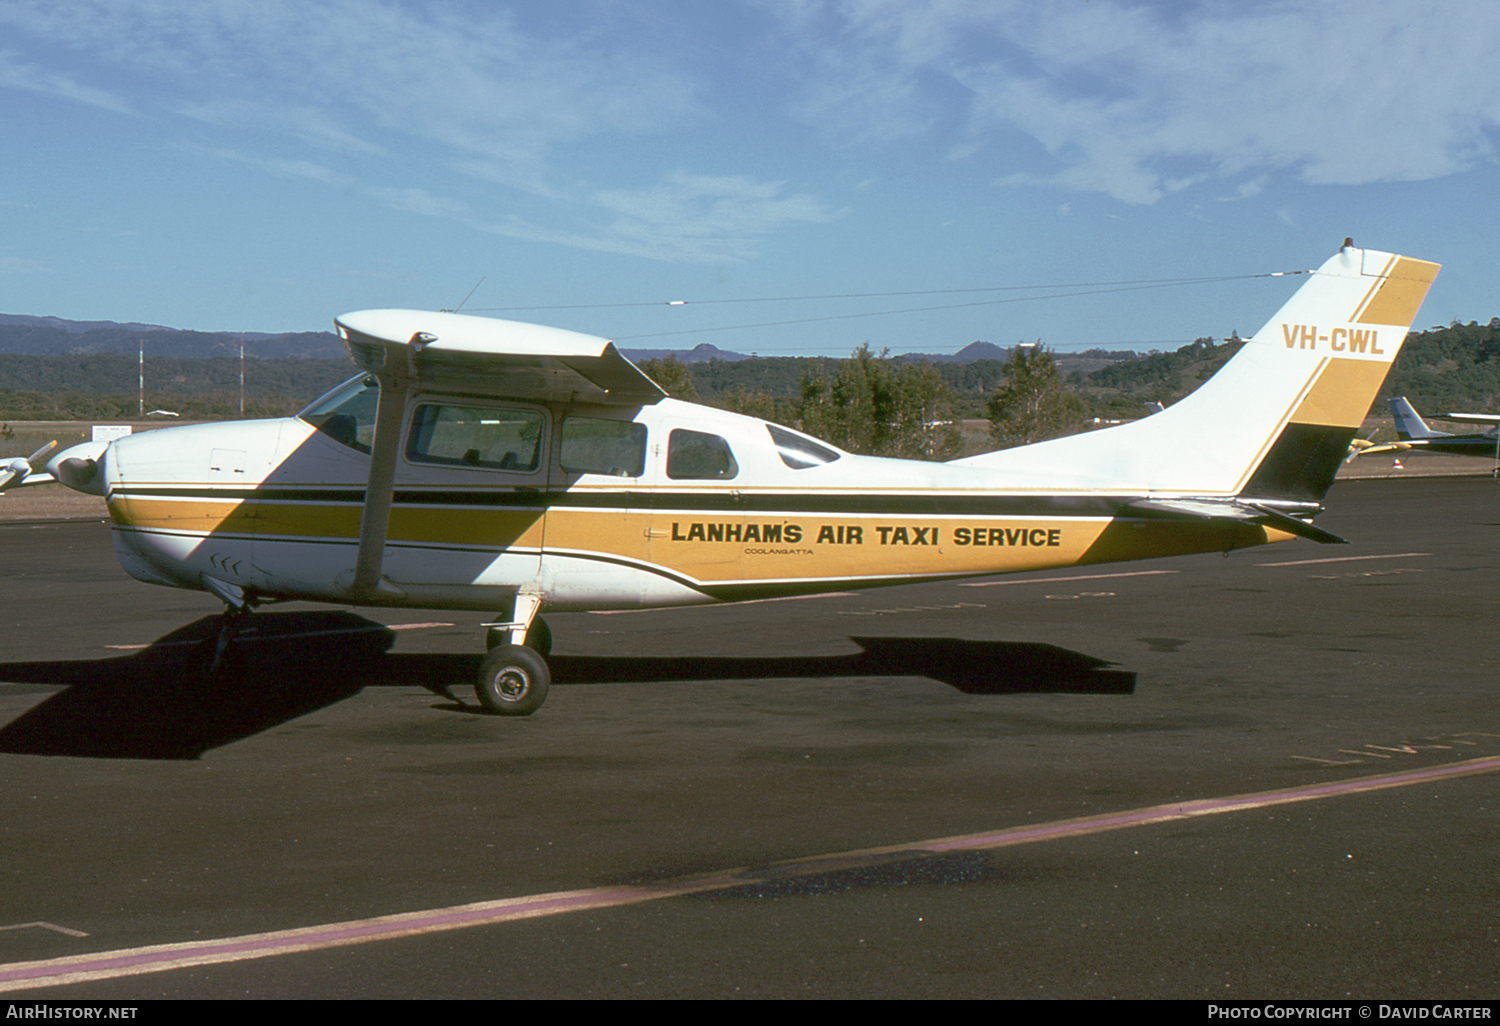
x,y
1456,368
52,336
1453,368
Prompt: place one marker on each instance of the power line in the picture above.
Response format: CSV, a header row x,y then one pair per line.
x,y
1102,289
1095,287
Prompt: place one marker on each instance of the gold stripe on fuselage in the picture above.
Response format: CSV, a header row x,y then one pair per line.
x,y
716,546
442,525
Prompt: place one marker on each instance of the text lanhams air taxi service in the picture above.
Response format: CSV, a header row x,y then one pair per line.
x,y
487,465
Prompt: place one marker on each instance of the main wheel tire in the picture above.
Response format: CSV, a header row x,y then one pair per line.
x,y
538,638
513,681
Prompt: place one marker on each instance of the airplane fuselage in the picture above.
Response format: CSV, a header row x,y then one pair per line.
x,y
589,508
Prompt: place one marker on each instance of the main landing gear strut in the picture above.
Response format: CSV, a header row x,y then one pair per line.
x,y
514,678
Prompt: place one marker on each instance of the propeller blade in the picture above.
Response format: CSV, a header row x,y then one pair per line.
x,y
38,459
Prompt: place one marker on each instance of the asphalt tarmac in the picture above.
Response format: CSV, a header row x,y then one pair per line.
x,y
1272,774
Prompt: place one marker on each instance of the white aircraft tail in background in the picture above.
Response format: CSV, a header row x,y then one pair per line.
x,y
1415,436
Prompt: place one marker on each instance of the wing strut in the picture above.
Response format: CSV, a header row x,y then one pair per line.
x,y
375,519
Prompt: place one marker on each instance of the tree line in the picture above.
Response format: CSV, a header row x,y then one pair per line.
x,y
869,403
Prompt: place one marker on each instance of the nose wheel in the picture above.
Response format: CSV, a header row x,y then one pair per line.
x,y
513,681
514,677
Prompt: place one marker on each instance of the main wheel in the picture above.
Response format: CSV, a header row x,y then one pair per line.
x,y
513,681
538,637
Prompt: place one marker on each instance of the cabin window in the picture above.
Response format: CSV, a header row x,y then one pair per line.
x,y
694,455
592,445
347,413
799,451
471,436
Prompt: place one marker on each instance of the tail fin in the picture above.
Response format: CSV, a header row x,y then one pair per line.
x,y
1275,422
1409,423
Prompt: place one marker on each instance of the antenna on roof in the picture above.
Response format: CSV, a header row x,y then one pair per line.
x,y
466,298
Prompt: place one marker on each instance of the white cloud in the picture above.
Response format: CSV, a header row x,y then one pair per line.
x,y
18,73
703,217
388,91
1138,99
18,265
690,218
338,71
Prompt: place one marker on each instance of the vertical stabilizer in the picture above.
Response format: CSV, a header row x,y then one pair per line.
x,y
1275,422
1409,423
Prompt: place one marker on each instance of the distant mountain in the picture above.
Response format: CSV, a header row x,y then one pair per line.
x,y
701,353
54,336
77,326
968,354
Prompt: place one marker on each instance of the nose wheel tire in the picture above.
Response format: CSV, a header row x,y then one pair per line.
x,y
513,681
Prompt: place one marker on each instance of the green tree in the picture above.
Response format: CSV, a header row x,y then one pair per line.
x,y
924,425
1033,404
875,406
674,376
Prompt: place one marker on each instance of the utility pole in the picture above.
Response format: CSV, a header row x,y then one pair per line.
x,y
143,379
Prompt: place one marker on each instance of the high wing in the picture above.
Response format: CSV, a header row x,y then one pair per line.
x,y
457,353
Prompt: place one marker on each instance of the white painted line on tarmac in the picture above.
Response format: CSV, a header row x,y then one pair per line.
x,y
103,965
45,926
1348,559
1055,580
299,634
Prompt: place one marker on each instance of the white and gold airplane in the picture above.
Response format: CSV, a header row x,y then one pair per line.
x,y
486,465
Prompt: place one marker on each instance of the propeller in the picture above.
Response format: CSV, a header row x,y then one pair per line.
x,y
14,471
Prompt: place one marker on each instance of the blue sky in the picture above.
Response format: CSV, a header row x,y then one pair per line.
x,y
265,165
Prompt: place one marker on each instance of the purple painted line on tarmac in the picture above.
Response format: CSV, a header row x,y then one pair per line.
x,y
157,958
1209,807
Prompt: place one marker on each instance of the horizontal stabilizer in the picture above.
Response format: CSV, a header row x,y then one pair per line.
x,y
1235,512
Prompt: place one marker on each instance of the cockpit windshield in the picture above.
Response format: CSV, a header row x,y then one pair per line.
x,y
347,414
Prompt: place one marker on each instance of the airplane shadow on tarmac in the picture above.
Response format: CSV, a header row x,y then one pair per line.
x,y
160,703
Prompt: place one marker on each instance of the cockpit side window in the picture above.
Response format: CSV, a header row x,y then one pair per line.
x,y
471,436
695,455
594,445
799,451
347,413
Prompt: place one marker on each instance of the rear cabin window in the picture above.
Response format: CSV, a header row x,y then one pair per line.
x,y
470,436
698,456
592,445
799,451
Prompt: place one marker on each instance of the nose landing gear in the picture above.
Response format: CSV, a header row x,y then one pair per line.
x,y
514,678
